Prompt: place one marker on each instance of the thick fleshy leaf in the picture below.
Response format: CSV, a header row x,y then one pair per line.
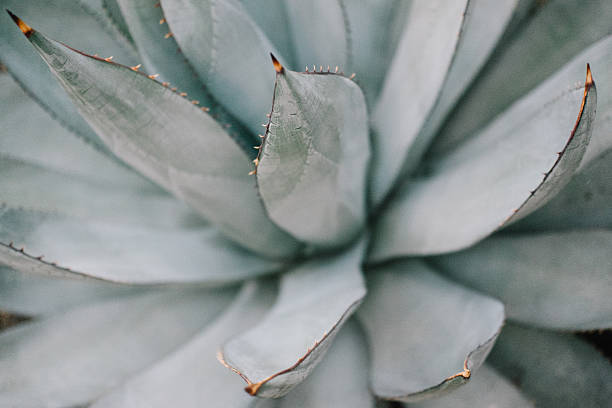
x,y
73,358
321,33
161,55
315,300
427,335
512,167
583,203
311,171
554,280
554,370
30,187
424,55
35,295
341,380
440,67
54,148
273,20
191,376
545,40
199,163
123,253
487,389
78,24
229,52
375,28
114,13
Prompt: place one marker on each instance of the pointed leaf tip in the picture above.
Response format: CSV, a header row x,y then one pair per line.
x,y
25,29
278,67
589,77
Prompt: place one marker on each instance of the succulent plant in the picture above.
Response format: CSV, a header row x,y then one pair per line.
x,y
369,248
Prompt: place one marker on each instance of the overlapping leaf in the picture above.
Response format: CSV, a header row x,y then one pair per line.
x,y
554,280
512,167
314,301
72,359
199,162
427,335
311,172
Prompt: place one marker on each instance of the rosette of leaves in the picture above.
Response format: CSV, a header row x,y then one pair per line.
x,y
226,221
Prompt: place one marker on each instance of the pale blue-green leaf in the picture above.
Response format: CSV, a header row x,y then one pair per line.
x,y
583,203
427,335
516,164
272,18
68,22
191,376
108,16
482,28
314,301
375,28
114,13
161,55
321,33
554,370
122,253
72,358
33,188
555,280
313,161
488,389
341,380
30,134
421,63
169,140
229,52
549,37
36,295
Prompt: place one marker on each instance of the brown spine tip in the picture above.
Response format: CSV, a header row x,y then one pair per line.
x,y
278,67
25,29
589,77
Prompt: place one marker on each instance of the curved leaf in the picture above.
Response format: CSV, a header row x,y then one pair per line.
x,y
229,53
33,188
67,21
375,28
427,335
199,163
555,370
424,54
272,18
122,253
162,56
542,43
559,281
71,359
583,203
467,34
512,167
340,380
36,295
191,376
315,300
55,148
321,33
487,389
311,171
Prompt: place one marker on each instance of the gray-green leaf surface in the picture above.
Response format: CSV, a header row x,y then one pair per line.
x,y
427,335
312,168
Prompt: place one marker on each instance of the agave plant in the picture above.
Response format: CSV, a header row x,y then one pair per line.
x,y
364,245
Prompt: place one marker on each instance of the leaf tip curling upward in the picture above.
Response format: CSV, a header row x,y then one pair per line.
x,y
25,29
278,67
589,77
